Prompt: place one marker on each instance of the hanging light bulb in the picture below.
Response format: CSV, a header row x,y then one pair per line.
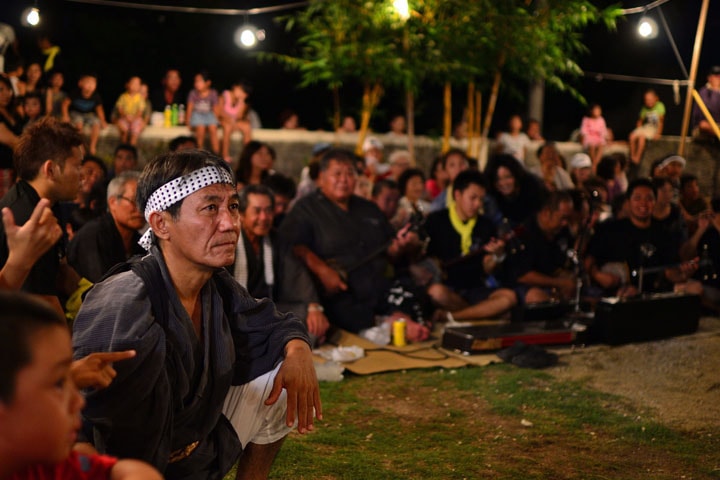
x,y
647,28
248,35
30,17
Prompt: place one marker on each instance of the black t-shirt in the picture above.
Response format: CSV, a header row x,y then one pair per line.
x,y
674,224
620,241
444,245
537,253
22,199
159,102
80,104
344,238
97,247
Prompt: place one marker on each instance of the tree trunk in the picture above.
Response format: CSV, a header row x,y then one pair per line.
x,y
470,117
447,116
371,97
410,113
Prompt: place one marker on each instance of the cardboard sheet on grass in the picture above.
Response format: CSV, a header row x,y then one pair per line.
x,y
380,359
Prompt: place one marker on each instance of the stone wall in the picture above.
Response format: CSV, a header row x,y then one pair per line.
x,y
293,149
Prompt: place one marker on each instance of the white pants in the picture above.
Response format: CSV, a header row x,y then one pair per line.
x,y
253,421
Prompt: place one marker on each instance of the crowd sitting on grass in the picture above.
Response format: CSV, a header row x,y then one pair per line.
x,y
195,293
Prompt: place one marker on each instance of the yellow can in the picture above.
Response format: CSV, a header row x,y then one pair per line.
x,y
399,333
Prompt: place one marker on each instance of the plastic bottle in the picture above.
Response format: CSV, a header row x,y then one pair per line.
x,y
174,114
399,333
181,114
167,116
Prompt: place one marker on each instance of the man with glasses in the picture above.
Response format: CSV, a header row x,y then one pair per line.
x,y
111,238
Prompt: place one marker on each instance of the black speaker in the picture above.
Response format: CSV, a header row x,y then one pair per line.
x,y
651,317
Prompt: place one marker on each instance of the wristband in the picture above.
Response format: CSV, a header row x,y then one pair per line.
x,y
315,308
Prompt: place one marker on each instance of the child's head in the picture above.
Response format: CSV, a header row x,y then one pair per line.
x,y
650,98
87,84
144,89
202,81
56,79
515,123
39,403
33,73
32,105
240,90
133,85
595,110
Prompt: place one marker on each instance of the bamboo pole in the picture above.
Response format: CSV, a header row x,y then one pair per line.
x,y
477,121
470,117
371,97
447,116
706,112
693,74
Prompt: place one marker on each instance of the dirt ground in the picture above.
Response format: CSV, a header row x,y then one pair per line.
x,y
678,378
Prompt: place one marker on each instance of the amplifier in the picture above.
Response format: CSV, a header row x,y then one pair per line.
x,y
650,317
482,338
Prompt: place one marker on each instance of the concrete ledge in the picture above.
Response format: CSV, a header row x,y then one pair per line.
x,y
293,149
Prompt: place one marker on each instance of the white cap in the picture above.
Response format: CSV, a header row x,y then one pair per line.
x,y
672,158
580,160
372,142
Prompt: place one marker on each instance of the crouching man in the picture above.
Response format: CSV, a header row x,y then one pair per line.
x,y
207,352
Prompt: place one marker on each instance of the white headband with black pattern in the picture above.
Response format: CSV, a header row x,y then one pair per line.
x,y
179,188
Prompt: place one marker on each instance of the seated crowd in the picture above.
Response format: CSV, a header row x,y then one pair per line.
x,y
195,293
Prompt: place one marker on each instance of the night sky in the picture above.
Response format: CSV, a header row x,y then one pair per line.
x,y
116,43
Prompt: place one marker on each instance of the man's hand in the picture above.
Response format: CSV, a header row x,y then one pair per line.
x,y
495,247
566,286
32,240
96,370
297,376
317,322
331,280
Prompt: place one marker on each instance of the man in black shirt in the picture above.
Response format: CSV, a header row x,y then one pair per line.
x,y
332,231
48,161
621,247
112,238
465,243
539,266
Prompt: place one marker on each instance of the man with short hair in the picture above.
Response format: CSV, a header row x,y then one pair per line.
x,y
124,159
386,195
196,332
264,273
345,242
620,247
48,163
111,238
540,266
284,191
467,246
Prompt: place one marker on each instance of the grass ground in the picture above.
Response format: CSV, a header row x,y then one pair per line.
x,y
498,422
